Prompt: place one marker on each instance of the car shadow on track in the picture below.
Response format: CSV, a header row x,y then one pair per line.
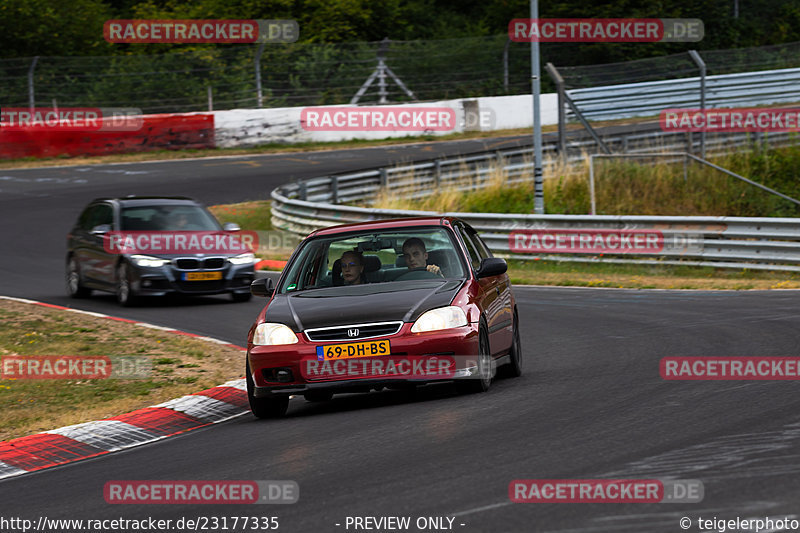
x,y
299,407
347,402
176,300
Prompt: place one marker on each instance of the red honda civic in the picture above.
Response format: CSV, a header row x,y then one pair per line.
x,y
392,303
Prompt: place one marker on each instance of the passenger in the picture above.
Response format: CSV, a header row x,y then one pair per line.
x,y
353,268
416,256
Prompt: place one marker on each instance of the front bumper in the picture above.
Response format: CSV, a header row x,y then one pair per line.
x,y
158,281
276,370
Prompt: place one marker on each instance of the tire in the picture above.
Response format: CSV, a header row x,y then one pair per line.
x,y
74,287
485,364
274,407
125,295
514,368
241,296
318,396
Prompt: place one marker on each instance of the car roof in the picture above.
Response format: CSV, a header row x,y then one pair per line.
x,y
394,223
133,201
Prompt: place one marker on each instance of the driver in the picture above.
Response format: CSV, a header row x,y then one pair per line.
x,y
416,256
181,221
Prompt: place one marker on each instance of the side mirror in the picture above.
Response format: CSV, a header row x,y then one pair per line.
x,y
102,229
262,287
492,266
231,226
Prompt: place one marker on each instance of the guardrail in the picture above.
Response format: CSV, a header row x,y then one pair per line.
x,y
747,89
420,179
731,242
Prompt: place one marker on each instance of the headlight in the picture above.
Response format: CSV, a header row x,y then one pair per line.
x,y
441,318
148,261
243,259
271,334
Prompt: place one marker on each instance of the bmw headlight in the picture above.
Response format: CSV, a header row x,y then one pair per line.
x,y
148,261
272,334
243,259
440,318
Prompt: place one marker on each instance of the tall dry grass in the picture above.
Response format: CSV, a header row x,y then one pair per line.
x,y
463,193
624,187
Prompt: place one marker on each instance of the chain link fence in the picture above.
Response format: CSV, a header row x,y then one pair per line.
x,y
296,74
681,66
301,74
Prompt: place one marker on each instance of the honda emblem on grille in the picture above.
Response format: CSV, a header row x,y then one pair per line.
x,y
352,332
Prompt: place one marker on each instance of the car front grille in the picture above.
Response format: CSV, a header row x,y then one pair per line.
x,y
353,332
214,262
187,264
190,263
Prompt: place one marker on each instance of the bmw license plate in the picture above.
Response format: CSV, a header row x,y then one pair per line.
x,y
202,276
353,349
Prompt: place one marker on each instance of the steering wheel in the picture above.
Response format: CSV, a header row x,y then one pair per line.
x,y
417,273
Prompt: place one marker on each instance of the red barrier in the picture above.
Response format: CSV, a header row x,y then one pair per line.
x,y
158,132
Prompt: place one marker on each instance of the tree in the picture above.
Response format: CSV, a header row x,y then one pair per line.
x,y
53,27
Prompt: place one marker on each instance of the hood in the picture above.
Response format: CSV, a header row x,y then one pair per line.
x,y
378,302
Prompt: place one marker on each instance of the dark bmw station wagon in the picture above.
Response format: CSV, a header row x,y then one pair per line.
x,y
139,246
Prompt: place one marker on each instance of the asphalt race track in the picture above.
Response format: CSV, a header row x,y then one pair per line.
x,y
591,403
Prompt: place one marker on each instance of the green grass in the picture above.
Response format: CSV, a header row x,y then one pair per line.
x,y
646,276
31,405
251,216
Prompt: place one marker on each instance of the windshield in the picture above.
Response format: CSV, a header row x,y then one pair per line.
x,y
374,257
168,218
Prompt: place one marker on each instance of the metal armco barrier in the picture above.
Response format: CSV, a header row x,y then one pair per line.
x,y
746,89
755,243
417,180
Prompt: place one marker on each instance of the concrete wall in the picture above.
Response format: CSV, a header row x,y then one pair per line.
x,y
251,127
